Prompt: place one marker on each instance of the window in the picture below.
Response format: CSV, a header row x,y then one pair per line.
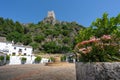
x,y
14,47
20,50
13,54
24,54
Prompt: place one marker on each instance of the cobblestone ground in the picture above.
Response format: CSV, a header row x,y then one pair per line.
x,y
38,72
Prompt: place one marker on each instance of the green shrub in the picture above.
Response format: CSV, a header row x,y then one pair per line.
x,y
52,59
23,59
51,47
7,57
1,57
39,38
38,59
63,58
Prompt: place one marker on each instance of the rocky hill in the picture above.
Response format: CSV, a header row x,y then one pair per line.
x,y
48,36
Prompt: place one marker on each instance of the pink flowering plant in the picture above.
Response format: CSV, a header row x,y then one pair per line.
x,y
103,49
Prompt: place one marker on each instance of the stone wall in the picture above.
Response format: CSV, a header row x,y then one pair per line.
x,y
98,71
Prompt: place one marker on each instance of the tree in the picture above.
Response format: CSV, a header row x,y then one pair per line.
x,y
15,36
65,32
39,38
34,45
104,46
65,49
51,47
26,39
84,34
105,25
66,40
1,20
19,28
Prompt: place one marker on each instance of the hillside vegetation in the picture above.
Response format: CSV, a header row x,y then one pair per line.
x,y
43,36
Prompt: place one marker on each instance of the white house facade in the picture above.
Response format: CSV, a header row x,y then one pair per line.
x,y
10,48
17,52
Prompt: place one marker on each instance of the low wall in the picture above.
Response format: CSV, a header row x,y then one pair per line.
x,y
30,60
17,59
98,71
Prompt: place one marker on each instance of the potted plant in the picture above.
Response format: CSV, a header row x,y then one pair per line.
x,y
7,59
1,60
38,59
23,60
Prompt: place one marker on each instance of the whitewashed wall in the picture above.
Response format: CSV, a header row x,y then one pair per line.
x,y
15,60
9,48
26,50
5,46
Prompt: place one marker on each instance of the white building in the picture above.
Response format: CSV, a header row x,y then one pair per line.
x,y
15,49
18,51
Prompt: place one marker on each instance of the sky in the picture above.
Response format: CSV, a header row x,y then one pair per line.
x,y
83,12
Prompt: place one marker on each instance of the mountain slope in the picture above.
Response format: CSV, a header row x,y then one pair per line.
x,y
44,36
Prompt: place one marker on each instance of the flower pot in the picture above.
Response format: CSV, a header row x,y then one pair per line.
x,y
37,62
2,62
98,71
23,62
7,61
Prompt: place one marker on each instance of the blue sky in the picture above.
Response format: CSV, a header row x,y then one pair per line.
x,y
83,12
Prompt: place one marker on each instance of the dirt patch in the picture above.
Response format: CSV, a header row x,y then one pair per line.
x,y
38,72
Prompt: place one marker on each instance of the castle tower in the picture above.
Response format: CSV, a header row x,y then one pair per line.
x,y
51,14
50,18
